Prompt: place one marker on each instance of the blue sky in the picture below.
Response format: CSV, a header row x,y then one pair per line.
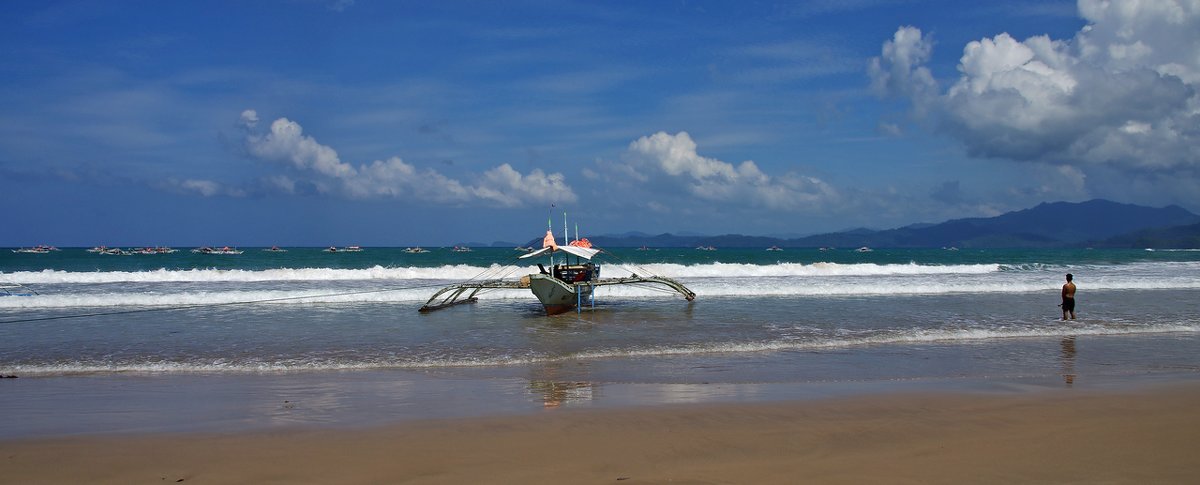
x,y
397,123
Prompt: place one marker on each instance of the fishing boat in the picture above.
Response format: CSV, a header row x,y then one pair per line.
x,y
222,250
275,249
568,284
461,249
774,248
416,250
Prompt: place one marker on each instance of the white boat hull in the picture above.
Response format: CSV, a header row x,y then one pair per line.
x,y
557,296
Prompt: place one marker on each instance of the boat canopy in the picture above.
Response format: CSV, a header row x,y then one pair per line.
x,y
585,253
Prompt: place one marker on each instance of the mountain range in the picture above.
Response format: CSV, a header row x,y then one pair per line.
x,y
1095,223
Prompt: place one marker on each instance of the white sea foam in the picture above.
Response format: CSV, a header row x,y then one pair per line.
x,y
465,272
449,272
374,361
894,285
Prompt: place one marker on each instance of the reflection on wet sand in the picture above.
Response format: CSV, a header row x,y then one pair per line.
x,y
557,393
1068,360
555,388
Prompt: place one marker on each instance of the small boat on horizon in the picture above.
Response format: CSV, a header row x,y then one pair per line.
x,y
461,249
39,249
416,250
226,250
275,249
774,248
864,249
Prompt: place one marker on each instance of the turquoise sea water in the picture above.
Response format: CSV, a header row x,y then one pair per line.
x,y
173,331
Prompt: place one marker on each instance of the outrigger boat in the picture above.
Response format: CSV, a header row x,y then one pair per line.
x,y
564,287
15,289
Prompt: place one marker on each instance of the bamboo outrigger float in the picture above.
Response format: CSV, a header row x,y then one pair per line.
x,y
560,289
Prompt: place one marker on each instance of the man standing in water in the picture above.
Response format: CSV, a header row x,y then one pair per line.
x,y
1068,298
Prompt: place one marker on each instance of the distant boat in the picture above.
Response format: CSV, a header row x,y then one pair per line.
x,y
774,248
223,250
643,248
146,250
706,248
416,250
37,250
864,249
275,249
352,249
522,249
461,249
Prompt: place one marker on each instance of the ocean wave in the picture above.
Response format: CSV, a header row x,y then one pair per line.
x,y
466,272
369,361
703,287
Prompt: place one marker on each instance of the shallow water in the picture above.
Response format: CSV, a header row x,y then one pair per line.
x,y
776,325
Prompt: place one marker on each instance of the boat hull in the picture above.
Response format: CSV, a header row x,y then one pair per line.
x,y
555,295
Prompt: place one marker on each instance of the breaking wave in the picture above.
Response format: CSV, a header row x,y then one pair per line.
x,y
465,272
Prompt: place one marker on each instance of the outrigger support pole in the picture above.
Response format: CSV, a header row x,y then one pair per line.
x,y
454,293
460,293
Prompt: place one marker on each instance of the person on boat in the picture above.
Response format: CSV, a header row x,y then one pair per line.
x,y
1068,298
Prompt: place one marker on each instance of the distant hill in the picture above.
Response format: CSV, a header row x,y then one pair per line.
x,y
1182,237
1056,224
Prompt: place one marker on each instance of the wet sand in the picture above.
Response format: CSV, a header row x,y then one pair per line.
x,y
1131,436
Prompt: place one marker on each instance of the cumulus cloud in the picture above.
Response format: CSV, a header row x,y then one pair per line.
x,y
249,119
202,187
1123,93
708,178
286,142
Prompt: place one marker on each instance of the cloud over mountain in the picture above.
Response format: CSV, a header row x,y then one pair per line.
x,y
1123,93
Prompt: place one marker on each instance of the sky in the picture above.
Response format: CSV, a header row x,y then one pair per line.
x,y
395,123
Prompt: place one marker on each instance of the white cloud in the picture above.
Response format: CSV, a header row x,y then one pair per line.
x,y
1122,93
286,142
249,119
206,188
503,185
707,178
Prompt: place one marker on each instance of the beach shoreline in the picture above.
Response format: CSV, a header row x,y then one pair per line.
x,y
1132,434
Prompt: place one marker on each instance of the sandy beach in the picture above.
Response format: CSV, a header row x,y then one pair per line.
x,y
1069,436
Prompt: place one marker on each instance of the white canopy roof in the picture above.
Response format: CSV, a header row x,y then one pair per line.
x,y
585,253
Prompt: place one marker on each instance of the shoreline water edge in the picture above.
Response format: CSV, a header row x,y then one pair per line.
x,y
767,327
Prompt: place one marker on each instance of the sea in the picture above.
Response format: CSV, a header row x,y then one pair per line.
x,y
187,342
